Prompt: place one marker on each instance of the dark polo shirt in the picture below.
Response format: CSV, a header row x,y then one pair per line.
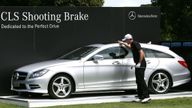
x,y
136,47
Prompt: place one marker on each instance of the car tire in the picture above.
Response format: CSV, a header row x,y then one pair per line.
x,y
159,82
60,86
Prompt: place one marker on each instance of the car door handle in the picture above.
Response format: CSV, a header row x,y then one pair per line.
x,y
132,66
116,63
148,61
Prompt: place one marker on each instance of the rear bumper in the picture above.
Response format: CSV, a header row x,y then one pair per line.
x,y
181,78
180,82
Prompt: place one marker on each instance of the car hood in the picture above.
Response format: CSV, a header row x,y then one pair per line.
x,y
46,64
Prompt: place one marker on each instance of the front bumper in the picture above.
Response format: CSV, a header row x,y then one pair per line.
x,y
33,85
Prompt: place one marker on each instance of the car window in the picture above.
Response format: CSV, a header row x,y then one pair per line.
x,y
130,54
149,53
152,54
123,52
114,53
162,55
78,53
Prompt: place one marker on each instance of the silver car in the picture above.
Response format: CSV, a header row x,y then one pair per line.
x,y
101,67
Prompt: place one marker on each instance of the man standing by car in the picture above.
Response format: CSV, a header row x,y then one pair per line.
x,y
139,59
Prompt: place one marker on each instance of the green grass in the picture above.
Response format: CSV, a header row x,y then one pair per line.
x,y
168,103
3,105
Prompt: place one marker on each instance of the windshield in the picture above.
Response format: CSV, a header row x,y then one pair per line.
x,y
78,53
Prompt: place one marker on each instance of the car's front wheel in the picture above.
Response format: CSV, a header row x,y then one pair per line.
x,y
159,82
60,86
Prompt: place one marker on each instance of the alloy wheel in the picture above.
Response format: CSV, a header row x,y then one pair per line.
x,y
160,82
61,87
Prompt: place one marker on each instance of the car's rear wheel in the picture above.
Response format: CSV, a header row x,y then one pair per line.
x,y
60,86
159,82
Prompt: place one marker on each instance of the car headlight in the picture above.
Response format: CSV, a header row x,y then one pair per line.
x,y
39,73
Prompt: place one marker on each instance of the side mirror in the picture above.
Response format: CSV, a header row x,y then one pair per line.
x,y
97,57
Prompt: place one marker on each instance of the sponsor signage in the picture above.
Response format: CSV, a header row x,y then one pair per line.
x,y
33,34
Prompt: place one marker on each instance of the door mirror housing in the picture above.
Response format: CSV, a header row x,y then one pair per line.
x,y
97,57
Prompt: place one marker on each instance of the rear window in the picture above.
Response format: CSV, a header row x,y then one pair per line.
x,y
156,54
149,53
162,55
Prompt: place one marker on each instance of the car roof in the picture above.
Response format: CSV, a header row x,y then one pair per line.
x,y
144,45
96,45
155,47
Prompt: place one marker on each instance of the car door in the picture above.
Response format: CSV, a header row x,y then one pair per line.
x,y
151,60
128,79
105,73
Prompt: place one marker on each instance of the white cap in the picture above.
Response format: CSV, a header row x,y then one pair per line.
x,y
127,36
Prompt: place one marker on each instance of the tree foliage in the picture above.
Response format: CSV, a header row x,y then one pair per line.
x,y
79,2
74,3
176,19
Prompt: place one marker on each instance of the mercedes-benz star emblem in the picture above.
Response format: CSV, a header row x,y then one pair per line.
x,y
16,76
132,15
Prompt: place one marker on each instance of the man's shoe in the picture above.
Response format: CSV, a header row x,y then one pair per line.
x,y
145,100
137,100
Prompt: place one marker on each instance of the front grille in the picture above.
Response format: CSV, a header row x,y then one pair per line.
x,y
19,75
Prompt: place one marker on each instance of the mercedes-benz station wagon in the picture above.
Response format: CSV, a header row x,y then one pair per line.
x,y
101,67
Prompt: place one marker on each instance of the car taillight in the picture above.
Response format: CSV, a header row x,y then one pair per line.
x,y
183,63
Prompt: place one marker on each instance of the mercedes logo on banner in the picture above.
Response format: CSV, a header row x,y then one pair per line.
x,y
132,15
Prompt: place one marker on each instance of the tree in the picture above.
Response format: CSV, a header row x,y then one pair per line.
x,y
74,3
79,2
176,19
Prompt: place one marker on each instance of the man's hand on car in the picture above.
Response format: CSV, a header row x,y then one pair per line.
x,y
138,65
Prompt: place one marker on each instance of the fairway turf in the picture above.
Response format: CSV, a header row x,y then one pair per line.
x,y
166,103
